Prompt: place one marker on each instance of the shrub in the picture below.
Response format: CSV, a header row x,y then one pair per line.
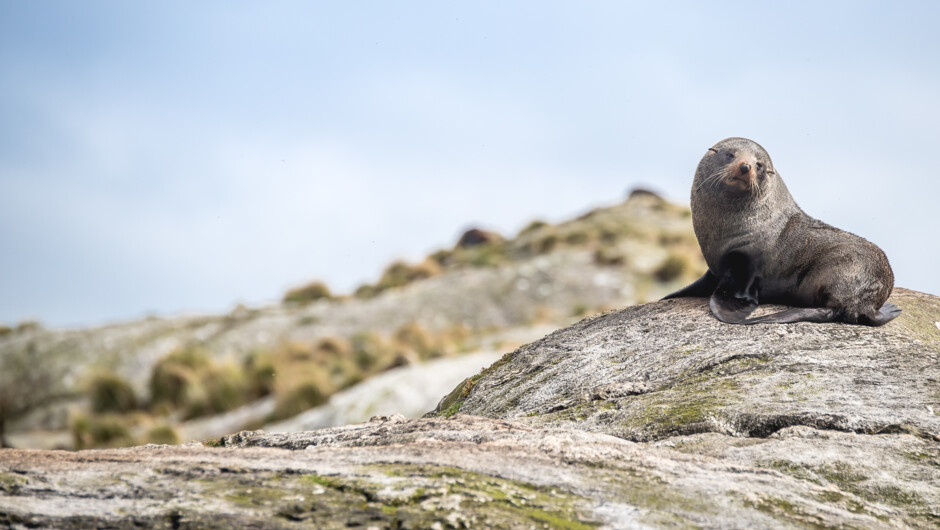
x,y
367,350
307,294
418,340
260,372
487,255
331,347
545,243
189,380
109,392
401,273
176,379
224,387
580,310
163,434
532,227
28,325
442,257
671,268
298,399
366,291
607,256
577,237
5,330
106,430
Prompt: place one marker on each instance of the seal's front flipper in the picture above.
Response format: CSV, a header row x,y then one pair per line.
x,y
887,313
798,314
701,287
736,295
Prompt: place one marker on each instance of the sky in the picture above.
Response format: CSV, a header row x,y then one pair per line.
x,y
175,156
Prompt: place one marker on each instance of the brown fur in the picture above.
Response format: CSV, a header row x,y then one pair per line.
x,y
740,203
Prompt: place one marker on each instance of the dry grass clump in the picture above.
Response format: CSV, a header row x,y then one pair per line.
x,y
609,257
109,392
162,433
190,381
299,398
418,340
538,224
399,274
369,351
28,325
120,430
307,294
303,375
102,430
671,268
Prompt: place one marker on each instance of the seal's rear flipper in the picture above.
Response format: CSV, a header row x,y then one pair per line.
x,y
736,295
701,287
887,313
731,309
798,314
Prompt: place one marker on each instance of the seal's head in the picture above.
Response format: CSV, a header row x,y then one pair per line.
x,y
736,166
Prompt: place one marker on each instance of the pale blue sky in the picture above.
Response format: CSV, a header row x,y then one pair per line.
x,y
185,156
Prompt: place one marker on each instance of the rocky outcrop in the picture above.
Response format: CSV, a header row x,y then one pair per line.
x,y
654,371
655,415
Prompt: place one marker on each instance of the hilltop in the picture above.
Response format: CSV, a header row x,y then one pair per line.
x,y
167,379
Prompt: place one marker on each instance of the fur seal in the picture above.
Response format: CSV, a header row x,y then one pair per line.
x,y
760,247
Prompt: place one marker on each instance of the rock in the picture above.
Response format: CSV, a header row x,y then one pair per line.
x,y
655,415
475,237
670,368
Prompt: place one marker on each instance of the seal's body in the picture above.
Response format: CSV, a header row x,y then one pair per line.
x,y
762,248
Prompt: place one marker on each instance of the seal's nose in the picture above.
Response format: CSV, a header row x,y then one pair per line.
x,y
745,168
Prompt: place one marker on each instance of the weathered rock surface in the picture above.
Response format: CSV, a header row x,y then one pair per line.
x,y
658,370
652,416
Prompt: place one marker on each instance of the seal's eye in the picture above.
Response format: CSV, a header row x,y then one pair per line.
x,y
729,155
760,166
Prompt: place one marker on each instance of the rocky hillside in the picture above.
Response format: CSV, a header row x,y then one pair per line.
x,y
146,380
656,415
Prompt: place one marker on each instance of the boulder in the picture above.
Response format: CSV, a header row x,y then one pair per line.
x,y
651,416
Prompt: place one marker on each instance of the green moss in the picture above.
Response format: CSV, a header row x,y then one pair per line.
x,y
416,497
451,404
9,483
792,469
321,480
785,510
924,458
841,473
554,521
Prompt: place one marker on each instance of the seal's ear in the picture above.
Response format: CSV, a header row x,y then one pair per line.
x,y
712,149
